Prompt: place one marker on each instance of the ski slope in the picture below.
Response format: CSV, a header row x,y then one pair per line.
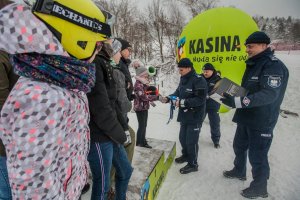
x,y
208,183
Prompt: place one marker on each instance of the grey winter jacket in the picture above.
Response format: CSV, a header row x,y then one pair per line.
x,y
122,99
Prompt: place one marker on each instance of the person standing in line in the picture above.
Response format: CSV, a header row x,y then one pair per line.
x,y
212,107
125,61
44,121
123,102
7,80
142,104
124,105
107,133
191,98
256,114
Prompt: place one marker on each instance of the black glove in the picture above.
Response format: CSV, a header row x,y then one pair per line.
x,y
228,100
152,90
132,96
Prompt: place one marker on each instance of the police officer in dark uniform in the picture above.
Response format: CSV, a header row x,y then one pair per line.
x,y
212,107
256,115
191,98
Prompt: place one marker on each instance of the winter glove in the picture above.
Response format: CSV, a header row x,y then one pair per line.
x,y
234,102
163,99
228,100
128,140
152,90
132,97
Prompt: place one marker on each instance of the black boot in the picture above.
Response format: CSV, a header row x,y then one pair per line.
x,y
181,159
188,169
233,174
252,193
146,145
217,145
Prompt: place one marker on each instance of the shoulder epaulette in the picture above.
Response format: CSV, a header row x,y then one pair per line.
x,y
273,58
198,75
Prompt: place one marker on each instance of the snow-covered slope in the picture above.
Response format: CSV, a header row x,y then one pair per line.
x,y
208,183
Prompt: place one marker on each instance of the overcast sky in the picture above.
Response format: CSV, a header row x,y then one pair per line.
x,y
266,8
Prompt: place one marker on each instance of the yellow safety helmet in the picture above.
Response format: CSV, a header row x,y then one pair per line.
x,y
77,24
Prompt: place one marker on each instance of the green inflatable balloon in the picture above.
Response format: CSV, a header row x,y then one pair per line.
x,y
217,36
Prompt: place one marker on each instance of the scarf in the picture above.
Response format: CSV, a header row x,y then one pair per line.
x,y
66,72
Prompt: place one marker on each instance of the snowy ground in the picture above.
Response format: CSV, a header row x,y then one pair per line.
x,y
208,183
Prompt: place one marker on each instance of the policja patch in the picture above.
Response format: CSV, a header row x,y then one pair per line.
x,y
274,81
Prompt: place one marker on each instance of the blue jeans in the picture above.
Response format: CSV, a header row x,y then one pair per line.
x,y
5,191
101,157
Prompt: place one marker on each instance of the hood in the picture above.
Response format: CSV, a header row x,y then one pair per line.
x,y
23,32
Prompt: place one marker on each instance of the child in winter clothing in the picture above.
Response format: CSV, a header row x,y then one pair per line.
x,y
142,104
7,80
44,122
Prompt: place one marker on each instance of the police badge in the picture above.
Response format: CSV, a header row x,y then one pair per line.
x,y
274,81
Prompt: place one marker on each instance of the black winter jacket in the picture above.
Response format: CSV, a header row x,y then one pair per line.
x,y
266,79
105,116
210,103
124,68
192,92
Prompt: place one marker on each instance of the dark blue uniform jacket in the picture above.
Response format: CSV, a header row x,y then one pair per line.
x,y
266,79
192,91
210,103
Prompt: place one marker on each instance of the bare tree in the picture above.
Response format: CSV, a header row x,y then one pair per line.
x,y
198,6
157,23
174,26
124,15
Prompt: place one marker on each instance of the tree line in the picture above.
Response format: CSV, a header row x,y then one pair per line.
x,y
154,30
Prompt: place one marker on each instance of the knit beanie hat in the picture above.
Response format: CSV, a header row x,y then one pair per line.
x,y
116,46
106,50
185,63
208,66
258,37
125,44
136,63
140,71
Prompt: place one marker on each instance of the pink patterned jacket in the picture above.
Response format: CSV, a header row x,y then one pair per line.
x,y
45,131
142,100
